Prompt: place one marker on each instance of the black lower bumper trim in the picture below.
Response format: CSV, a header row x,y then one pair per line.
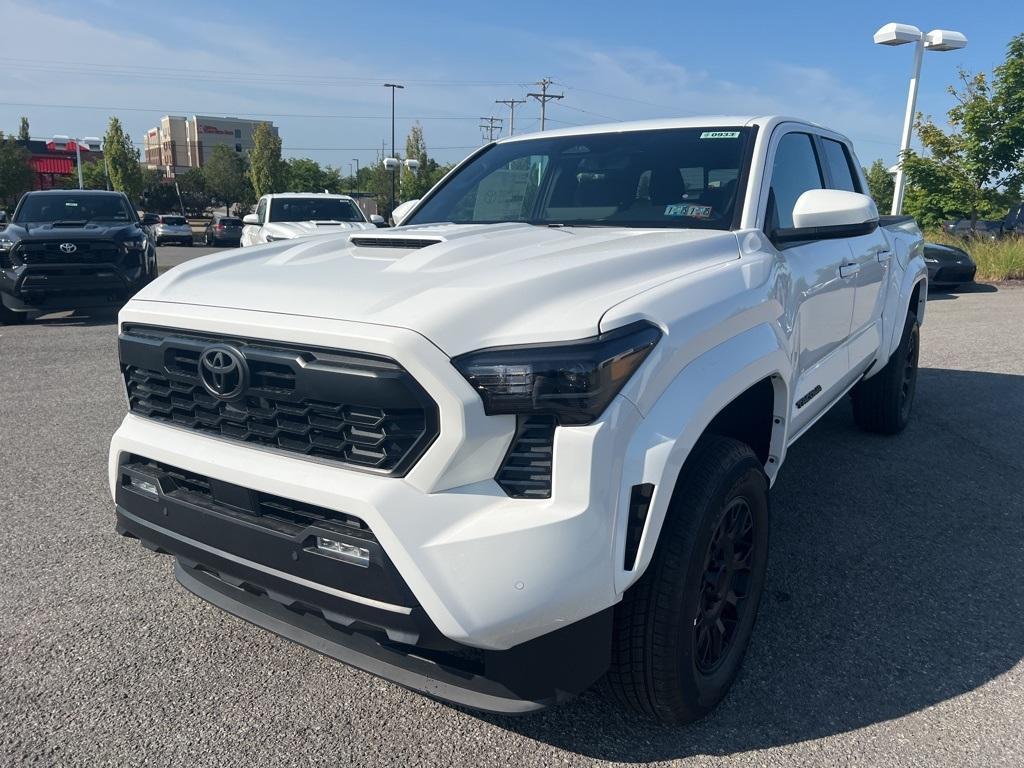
x,y
351,614
360,651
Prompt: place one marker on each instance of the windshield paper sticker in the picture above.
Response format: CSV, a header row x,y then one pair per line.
x,y
720,135
693,211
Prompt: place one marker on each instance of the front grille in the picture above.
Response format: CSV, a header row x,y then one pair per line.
x,y
364,411
526,471
49,252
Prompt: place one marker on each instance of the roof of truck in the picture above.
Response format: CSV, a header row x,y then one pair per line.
x,y
701,121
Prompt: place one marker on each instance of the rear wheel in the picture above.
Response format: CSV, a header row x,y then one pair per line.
x,y
681,631
882,404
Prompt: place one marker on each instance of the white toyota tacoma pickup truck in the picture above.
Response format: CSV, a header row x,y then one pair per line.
x,y
299,214
524,441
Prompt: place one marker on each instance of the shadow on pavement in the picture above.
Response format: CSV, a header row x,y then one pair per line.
x,y
892,584
945,293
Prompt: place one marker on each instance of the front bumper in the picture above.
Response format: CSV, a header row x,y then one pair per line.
x,y
482,570
68,286
266,570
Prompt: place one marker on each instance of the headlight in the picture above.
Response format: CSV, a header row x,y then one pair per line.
x,y
930,260
274,238
6,244
134,245
575,380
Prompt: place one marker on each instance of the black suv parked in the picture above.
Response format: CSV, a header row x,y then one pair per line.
x,y
66,249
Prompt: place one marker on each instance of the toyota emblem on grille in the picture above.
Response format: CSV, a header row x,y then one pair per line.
x,y
223,372
68,247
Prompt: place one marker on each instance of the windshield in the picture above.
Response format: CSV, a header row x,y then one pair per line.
x,y
684,177
231,222
313,209
174,221
52,207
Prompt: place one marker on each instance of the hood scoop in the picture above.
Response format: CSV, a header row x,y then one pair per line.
x,y
390,241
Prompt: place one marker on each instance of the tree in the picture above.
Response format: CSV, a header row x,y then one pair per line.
x,y
881,185
94,175
969,171
158,195
194,195
122,161
266,169
23,132
16,176
416,185
305,175
225,176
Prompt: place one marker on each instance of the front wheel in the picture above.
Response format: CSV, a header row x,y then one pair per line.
x,y
681,631
10,317
882,404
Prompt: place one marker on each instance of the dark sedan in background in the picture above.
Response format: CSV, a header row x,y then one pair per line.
x,y
948,266
223,230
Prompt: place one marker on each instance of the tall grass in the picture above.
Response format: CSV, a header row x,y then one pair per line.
x,y
996,260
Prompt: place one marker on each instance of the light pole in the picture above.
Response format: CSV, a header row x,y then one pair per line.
x,y
393,87
936,40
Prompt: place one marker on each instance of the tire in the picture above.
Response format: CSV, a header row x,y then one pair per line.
x,y
10,317
208,243
663,659
882,404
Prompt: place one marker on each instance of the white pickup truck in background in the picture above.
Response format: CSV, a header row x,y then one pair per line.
x,y
299,214
524,440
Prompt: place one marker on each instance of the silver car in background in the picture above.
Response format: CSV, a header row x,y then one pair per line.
x,y
172,229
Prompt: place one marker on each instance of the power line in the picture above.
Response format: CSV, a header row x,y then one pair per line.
x,y
511,104
490,125
544,97
212,113
123,69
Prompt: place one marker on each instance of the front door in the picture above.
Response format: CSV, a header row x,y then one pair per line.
x,y
821,295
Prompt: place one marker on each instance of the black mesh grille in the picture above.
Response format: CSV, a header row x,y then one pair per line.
x,y
361,410
526,471
49,252
264,509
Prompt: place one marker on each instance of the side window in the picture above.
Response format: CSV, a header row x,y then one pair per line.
x,y
840,169
261,210
794,172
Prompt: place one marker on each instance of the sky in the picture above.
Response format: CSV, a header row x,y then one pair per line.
x,y
316,68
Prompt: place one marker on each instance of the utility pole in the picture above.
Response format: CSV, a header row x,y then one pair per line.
x,y
394,173
355,179
544,97
490,125
511,104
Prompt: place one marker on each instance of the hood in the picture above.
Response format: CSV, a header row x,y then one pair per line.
x,y
304,228
91,231
462,286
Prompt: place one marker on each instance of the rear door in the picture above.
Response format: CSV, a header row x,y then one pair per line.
x,y
870,257
820,297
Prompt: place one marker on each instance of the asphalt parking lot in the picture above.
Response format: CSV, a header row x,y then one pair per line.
x,y
892,630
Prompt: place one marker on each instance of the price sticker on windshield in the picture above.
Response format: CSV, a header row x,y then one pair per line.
x,y
720,135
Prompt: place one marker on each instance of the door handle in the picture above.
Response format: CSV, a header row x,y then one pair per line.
x,y
849,270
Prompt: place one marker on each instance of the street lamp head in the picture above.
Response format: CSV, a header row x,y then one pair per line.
x,y
412,164
897,34
93,143
61,142
944,40
391,163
